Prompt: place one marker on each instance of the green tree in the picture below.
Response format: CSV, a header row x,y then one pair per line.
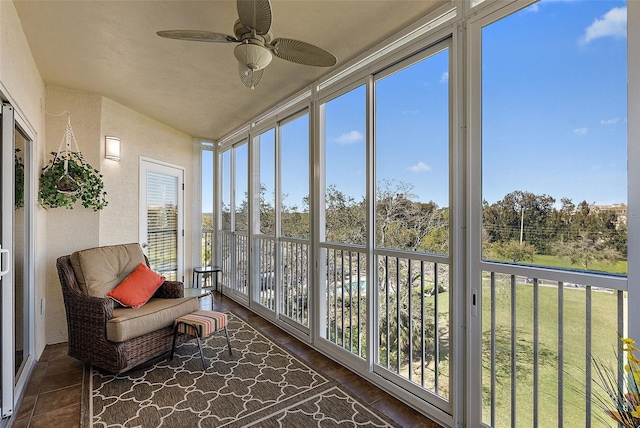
x,y
403,223
207,221
346,218
513,251
619,239
295,219
519,213
584,250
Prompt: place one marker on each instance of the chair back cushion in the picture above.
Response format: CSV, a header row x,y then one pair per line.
x,y
99,270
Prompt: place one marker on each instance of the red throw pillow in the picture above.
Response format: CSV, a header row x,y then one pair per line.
x,y
137,288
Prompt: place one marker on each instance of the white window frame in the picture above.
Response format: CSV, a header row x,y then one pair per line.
x,y
484,14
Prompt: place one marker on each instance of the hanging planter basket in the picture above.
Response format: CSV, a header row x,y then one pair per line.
x,y
69,178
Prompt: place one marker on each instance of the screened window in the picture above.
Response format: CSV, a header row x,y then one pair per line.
x,y
345,152
554,189
207,213
294,137
412,157
226,190
267,211
241,187
554,136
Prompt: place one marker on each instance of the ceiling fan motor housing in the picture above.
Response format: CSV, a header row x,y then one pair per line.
x,y
253,54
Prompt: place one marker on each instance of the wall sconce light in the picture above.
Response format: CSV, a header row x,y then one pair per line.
x,y
112,148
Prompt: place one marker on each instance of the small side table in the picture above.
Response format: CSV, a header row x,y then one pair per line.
x,y
199,293
206,272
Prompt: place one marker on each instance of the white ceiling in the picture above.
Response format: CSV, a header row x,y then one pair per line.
x,y
110,48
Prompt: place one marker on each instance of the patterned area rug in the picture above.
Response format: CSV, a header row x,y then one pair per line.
x,y
261,384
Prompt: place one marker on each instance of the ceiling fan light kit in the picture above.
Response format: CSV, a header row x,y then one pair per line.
x,y
255,48
252,55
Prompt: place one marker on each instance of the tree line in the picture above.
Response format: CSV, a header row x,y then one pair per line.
x,y
523,225
517,228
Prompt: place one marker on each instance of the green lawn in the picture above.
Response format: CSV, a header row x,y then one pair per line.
x,y
554,261
604,340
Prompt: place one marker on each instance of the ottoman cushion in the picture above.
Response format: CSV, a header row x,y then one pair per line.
x,y
207,322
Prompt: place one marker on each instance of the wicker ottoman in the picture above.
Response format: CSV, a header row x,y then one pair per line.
x,y
200,324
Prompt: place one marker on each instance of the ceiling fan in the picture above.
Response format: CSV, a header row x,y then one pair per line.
x,y
255,43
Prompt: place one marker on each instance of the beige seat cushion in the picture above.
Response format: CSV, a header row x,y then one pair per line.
x,y
100,270
128,323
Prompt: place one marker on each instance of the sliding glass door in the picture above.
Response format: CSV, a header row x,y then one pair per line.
x,y
234,226
550,274
281,216
7,278
17,254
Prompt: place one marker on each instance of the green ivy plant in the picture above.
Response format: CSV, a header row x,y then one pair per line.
x,y
19,184
82,182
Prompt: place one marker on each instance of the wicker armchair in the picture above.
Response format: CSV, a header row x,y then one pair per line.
x,y
87,319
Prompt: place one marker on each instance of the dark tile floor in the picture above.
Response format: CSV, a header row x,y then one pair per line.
x,y
52,397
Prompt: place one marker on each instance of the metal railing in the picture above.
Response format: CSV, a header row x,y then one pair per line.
x,y
234,261
267,272
241,251
290,280
540,330
346,291
540,327
206,247
413,321
294,292
412,317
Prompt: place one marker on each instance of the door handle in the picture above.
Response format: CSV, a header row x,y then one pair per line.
x,y
4,253
144,245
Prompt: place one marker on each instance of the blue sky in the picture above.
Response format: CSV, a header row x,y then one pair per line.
x,y
554,117
554,102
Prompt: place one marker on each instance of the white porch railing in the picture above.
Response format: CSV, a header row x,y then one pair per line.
x,y
540,330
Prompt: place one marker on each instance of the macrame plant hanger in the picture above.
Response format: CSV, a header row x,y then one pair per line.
x,y
66,183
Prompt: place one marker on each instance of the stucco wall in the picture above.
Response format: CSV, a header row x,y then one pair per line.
x,y
139,136
69,230
21,84
19,75
93,117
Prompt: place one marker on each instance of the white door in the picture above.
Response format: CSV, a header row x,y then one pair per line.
x,y
6,243
16,261
162,217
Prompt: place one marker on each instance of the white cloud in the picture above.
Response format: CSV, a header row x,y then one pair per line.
x,y
612,24
536,6
350,137
581,131
610,121
445,77
420,167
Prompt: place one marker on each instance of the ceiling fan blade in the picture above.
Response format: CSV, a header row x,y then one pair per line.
x,y
250,78
255,15
197,36
302,53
